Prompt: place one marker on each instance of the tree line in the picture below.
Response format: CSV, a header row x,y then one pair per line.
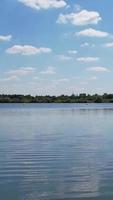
x,y
81,98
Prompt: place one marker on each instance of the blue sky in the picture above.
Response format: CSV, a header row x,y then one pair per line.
x,y
56,46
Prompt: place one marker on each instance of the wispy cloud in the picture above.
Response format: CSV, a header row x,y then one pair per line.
x,y
43,4
92,33
27,50
83,17
87,59
98,69
49,71
62,80
72,52
5,38
77,7
16,74
86,44
64,57
93,78
109,45
22,71
9,78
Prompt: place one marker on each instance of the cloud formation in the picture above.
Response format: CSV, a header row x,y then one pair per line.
x,y
49,71
98,69
93,78
10,78
64,57
83,17
43,4
5,38
27,50
86,44
87,59
22,71
72,52
109,45
93,33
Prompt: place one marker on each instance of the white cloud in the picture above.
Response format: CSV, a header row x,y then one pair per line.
x,y
64,58
83,17
5,38
62,80
27,50
23,71
36,78
77,7
87,59
86,44
98,69
83,82
10,78
93,78
92,33
109,45
73,52
14,75
43,4
49,71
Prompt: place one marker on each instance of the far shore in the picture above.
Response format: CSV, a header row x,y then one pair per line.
x,y
79,98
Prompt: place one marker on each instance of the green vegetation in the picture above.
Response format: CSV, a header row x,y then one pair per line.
x,y
81,98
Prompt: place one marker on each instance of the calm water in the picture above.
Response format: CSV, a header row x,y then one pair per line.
x,y
56,151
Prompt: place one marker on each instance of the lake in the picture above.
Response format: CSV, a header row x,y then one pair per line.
x,y
56,151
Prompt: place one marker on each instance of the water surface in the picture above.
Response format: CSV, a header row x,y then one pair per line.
x,y
56,151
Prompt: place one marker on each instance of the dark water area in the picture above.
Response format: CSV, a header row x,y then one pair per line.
x,y
56,151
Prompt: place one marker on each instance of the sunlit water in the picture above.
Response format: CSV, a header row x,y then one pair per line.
x,y
56,151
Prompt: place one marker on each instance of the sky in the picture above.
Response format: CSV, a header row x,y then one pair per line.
x,y
54,47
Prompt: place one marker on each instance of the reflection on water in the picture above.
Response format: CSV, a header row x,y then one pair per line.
x,y
56,151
